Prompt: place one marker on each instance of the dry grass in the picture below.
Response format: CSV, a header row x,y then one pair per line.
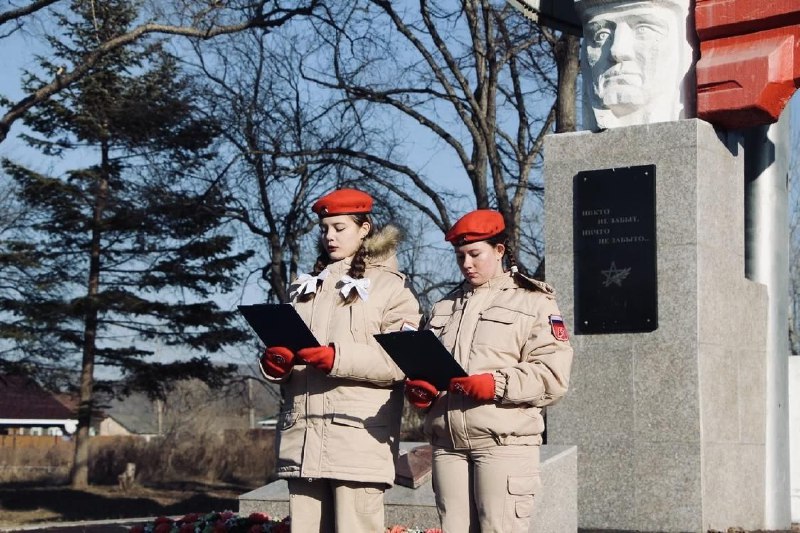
x,y
22,505
233,457
177,474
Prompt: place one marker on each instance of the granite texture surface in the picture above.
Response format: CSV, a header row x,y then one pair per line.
x,y
666,421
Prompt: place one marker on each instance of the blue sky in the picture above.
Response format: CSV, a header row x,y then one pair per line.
x,y
18,52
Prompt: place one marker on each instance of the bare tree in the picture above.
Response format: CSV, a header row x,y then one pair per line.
x,y
203,21
567,53
252,90
430,275
273,122
15,16
473,77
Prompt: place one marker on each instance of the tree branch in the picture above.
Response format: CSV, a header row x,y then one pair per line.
x,y
15,14
261,20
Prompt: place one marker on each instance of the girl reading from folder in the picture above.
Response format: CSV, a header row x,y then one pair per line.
x,y
338,429
506,331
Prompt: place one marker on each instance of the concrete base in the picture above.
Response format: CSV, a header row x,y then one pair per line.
x,y
556,511
669,424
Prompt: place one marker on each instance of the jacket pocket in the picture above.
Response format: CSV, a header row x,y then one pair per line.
x,y
439,325
501,315
356,421
438,322
501,328
357,442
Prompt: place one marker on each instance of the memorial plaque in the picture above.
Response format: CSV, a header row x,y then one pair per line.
x,y
615,250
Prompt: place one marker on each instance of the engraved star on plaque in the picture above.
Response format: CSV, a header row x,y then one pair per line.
x,y
614,275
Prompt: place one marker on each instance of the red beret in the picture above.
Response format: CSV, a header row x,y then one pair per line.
x,y
476,226
343,202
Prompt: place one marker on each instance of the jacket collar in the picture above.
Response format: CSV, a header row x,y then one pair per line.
x,y
506,279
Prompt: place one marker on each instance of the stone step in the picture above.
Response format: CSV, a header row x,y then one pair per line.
x,y
556,509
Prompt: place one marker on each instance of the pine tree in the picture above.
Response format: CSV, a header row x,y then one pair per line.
x,y
130,249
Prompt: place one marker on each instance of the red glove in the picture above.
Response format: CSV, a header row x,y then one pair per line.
x,y
277,361
479,386
420,393
320,357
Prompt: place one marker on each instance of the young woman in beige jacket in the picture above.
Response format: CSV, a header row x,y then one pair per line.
x,y
341,402
506,331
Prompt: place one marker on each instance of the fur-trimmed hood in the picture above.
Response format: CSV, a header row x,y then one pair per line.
x,y
382,246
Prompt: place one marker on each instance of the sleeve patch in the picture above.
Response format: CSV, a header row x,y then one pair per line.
x,y
558,328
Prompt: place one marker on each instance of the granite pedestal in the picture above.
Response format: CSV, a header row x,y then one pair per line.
x,y
555,511
669,424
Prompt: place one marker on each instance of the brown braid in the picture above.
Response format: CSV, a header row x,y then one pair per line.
x,y
511,261
359,263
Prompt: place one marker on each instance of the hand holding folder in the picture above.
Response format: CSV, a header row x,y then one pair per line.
x,y
277,361
420,393
420,355
279,325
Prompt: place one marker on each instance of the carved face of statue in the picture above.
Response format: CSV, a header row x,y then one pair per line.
x,y
626,52
635,61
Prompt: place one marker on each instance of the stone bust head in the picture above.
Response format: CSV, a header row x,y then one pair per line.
x,y
636,62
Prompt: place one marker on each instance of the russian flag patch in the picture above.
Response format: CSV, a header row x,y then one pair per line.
x,y
558,328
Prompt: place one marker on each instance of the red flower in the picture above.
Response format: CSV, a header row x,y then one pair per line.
x,y
258,518
163,520
190,518
219,526
163,527
256,528
227,514
433,530
136,529
187,527
397,529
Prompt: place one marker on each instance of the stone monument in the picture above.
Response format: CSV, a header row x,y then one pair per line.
x,y
650,231
637,60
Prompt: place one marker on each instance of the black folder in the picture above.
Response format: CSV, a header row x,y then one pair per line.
x,y
420,355
279,325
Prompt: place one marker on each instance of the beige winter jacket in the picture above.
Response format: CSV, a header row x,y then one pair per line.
x,y
345,425
503,327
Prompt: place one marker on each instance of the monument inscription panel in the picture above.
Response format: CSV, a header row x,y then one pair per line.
x,y
615,250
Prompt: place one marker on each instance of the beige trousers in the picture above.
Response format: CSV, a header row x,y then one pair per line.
x,y
486,491
331,506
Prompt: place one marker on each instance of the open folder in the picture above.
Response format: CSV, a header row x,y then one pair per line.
x,y
420,355
279,325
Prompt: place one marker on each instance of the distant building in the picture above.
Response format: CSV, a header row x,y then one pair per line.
x,y
136,415
190,406
28,409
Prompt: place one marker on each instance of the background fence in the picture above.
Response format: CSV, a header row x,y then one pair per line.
x,y
240,457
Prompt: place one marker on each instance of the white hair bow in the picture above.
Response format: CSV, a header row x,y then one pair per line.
x,y
360,285
307,284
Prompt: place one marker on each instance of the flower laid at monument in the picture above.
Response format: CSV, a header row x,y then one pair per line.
x,y
230,522
214,522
